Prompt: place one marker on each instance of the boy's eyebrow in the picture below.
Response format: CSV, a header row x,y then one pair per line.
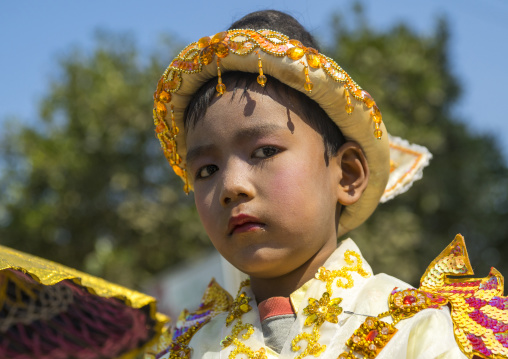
x,y
198,151
240,136
257,131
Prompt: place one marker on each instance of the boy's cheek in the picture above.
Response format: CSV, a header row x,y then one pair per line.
x,y
294,182
204,207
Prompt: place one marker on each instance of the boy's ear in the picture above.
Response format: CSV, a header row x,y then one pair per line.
x,y
353,173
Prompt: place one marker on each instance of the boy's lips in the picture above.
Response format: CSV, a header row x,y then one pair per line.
x,y
243,223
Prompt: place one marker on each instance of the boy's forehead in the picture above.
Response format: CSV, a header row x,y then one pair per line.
x,y
251,112
238,117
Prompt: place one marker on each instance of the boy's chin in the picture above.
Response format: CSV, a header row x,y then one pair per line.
x,y
267,266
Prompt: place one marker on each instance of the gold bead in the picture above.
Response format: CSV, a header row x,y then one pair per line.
x,y
165,96
221,88
206,55
177,170
295,53
219,37
309,86
204,42
262,80
296,43
349,108
221,50
161,110
375,118
313,60
367,99
378,134
177,159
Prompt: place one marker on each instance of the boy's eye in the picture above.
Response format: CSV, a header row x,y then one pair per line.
x,y
265,152
206,171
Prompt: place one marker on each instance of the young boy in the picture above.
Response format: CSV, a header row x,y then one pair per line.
x,y
285,152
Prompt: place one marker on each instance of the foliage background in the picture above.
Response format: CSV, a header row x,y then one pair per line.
x,y
88,186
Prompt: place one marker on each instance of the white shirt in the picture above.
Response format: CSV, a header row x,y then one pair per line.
x,y
428,334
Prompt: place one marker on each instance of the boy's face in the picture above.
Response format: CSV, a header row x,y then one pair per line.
x,y
266,196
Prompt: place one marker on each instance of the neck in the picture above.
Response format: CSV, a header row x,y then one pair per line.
x,y
286,284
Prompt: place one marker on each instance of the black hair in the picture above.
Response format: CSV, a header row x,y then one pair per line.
x,y
307,108
277,21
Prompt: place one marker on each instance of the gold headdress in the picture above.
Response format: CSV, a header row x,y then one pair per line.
x,y
390,160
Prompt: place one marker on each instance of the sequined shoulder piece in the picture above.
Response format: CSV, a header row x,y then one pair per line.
x,y
479,310
175,345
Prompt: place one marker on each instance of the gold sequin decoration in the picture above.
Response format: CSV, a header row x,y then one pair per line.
x,y
327,309
370,338
240,347
261,78
324,309
241,330
479,310
215,301
240,305
312,348
406,303
343,275
478,307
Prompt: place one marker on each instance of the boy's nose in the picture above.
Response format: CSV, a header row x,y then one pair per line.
x,y
236,186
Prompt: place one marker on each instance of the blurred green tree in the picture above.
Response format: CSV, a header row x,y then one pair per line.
x,y
465,188
89,187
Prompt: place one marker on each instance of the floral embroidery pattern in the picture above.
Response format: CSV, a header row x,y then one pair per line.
x,y
319,311
241,330
326,309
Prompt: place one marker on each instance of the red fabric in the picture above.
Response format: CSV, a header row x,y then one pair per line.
x,y
275,306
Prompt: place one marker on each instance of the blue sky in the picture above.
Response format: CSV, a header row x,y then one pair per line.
x,y
33,34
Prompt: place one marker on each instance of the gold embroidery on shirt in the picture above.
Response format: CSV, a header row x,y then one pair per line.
x,y
312,348
354,264
326,309
215,301
317,311
240,307
240,347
